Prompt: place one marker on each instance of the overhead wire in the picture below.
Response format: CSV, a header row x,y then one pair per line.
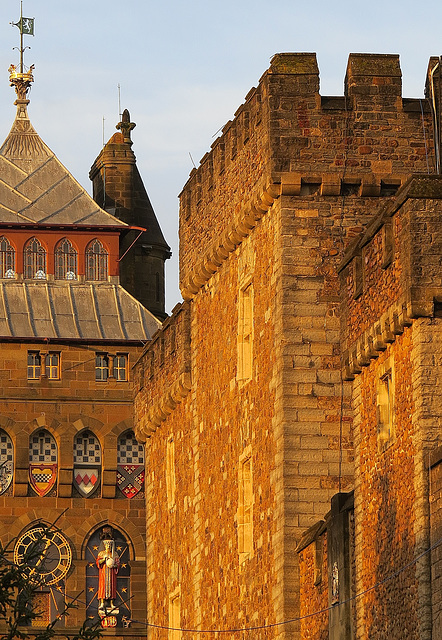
x,y
389,577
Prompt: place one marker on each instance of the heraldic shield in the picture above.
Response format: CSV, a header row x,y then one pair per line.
x,y
6,473
87,463
130,465
43,462
42,478
86,480
6,461
130,479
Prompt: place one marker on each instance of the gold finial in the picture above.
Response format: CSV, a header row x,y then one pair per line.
x,y
126,126
21,78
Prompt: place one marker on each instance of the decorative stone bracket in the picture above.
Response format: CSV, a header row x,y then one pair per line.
x,y
162,407
228,241
375,339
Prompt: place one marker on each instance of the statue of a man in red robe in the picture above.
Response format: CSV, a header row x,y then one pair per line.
x,y
108,564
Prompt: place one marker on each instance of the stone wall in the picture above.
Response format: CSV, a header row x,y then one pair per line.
x,y
284,191
390,289
436,537
215,423
313,583
288,138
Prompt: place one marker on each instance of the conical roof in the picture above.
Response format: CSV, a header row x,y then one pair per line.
x,y
118,150
36,188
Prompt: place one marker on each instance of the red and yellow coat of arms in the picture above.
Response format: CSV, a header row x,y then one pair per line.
x,y
42,477
43,462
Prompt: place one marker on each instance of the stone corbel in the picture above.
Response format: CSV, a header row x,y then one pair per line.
x,y
387,334
376,339
331,185
379,343
353,363
362,359
164,406
229,240
370,186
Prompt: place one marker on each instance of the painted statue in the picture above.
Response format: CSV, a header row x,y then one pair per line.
x,y
108,564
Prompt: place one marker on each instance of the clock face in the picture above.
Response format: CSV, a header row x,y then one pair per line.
x,y
46,554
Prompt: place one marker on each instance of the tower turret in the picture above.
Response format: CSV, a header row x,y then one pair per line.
x,y
119,189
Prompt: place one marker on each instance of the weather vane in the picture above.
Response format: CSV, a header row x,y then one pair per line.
x,y
21,79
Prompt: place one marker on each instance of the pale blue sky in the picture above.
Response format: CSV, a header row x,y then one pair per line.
x,y
184,68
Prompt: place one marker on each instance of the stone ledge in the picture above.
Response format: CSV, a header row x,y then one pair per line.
x,y
419,303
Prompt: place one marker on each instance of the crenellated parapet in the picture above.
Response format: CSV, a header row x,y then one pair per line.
x,y
288,140
163,373
391,273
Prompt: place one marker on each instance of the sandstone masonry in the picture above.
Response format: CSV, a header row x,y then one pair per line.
x,y
249,425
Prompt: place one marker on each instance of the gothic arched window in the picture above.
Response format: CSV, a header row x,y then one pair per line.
x,y
96,261
7,259
65,261
43,462
87,463
130,465
34,260
6,461
108,587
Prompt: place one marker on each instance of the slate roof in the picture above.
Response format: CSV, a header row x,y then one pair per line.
x,y
74,311
36,187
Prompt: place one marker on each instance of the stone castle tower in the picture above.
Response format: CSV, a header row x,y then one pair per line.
x,y
243,396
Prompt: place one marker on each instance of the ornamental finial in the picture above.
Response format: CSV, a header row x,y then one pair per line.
x,y
126,126
22,77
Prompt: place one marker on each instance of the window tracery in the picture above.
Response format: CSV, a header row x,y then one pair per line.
x,y
96,261
34,257
6,461
7,259
130,465
65,261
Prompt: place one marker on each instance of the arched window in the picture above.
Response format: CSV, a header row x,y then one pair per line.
x,y
108,583
34,260
96,261
65,261
87,463
130,465
6,461
7,259
43,462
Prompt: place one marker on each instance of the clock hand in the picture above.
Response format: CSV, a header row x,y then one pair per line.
x,y
42,555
